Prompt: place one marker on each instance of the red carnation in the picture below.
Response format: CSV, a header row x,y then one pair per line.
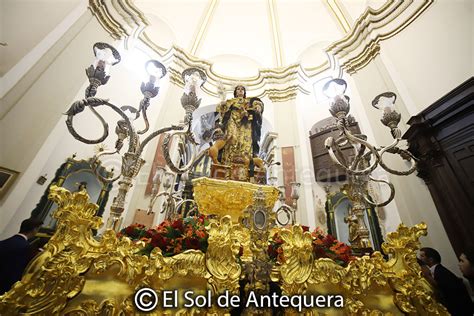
x,y
191,243
329,240
158,241
129,230
178,225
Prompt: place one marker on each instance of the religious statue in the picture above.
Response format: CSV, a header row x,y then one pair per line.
x,y
354,237
238,131
81,186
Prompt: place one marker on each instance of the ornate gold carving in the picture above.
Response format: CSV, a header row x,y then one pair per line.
x,y
221,256
412,293
298,251
80,275
220,197
259,221
370,285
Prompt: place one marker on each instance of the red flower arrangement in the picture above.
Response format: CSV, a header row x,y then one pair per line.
x,y
171,237
324,246
190,233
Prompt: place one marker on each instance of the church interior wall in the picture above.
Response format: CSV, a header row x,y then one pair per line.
x,y
308,112
18,19
433,55
26,128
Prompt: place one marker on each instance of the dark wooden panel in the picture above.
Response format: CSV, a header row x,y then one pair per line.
x,y
442,137
324,168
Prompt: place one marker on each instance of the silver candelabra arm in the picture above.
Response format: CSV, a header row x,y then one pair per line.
x,y
193,79
288,211
172,205
168,203
156,71
79,106
95,163
393,149
106,56
333,146
157,133
189,162
143,106
191,211
367,157
386,202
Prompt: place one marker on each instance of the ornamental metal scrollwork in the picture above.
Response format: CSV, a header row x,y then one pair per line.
x,y
106,57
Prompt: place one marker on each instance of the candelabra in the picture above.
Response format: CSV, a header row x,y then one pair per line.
x,y
161,177
288,210
98,74
174,201
366,156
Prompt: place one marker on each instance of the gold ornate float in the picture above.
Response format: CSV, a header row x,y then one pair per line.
x,y
80,275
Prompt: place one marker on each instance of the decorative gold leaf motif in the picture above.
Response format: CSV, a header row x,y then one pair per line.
x,y
221,257
221,197
79,274
298,250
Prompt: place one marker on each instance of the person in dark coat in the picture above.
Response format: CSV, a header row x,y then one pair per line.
x,y
451,291
466,265
16,253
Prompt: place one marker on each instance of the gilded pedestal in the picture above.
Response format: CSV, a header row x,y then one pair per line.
x,y
227,197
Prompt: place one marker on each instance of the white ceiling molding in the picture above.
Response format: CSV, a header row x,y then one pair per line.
x,y
361,44
203,26
275,33
354,51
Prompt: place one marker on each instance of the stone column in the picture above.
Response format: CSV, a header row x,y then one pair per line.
x,y
293,140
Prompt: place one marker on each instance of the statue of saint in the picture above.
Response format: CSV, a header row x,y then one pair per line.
x,y
354,237
238,130
81,186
